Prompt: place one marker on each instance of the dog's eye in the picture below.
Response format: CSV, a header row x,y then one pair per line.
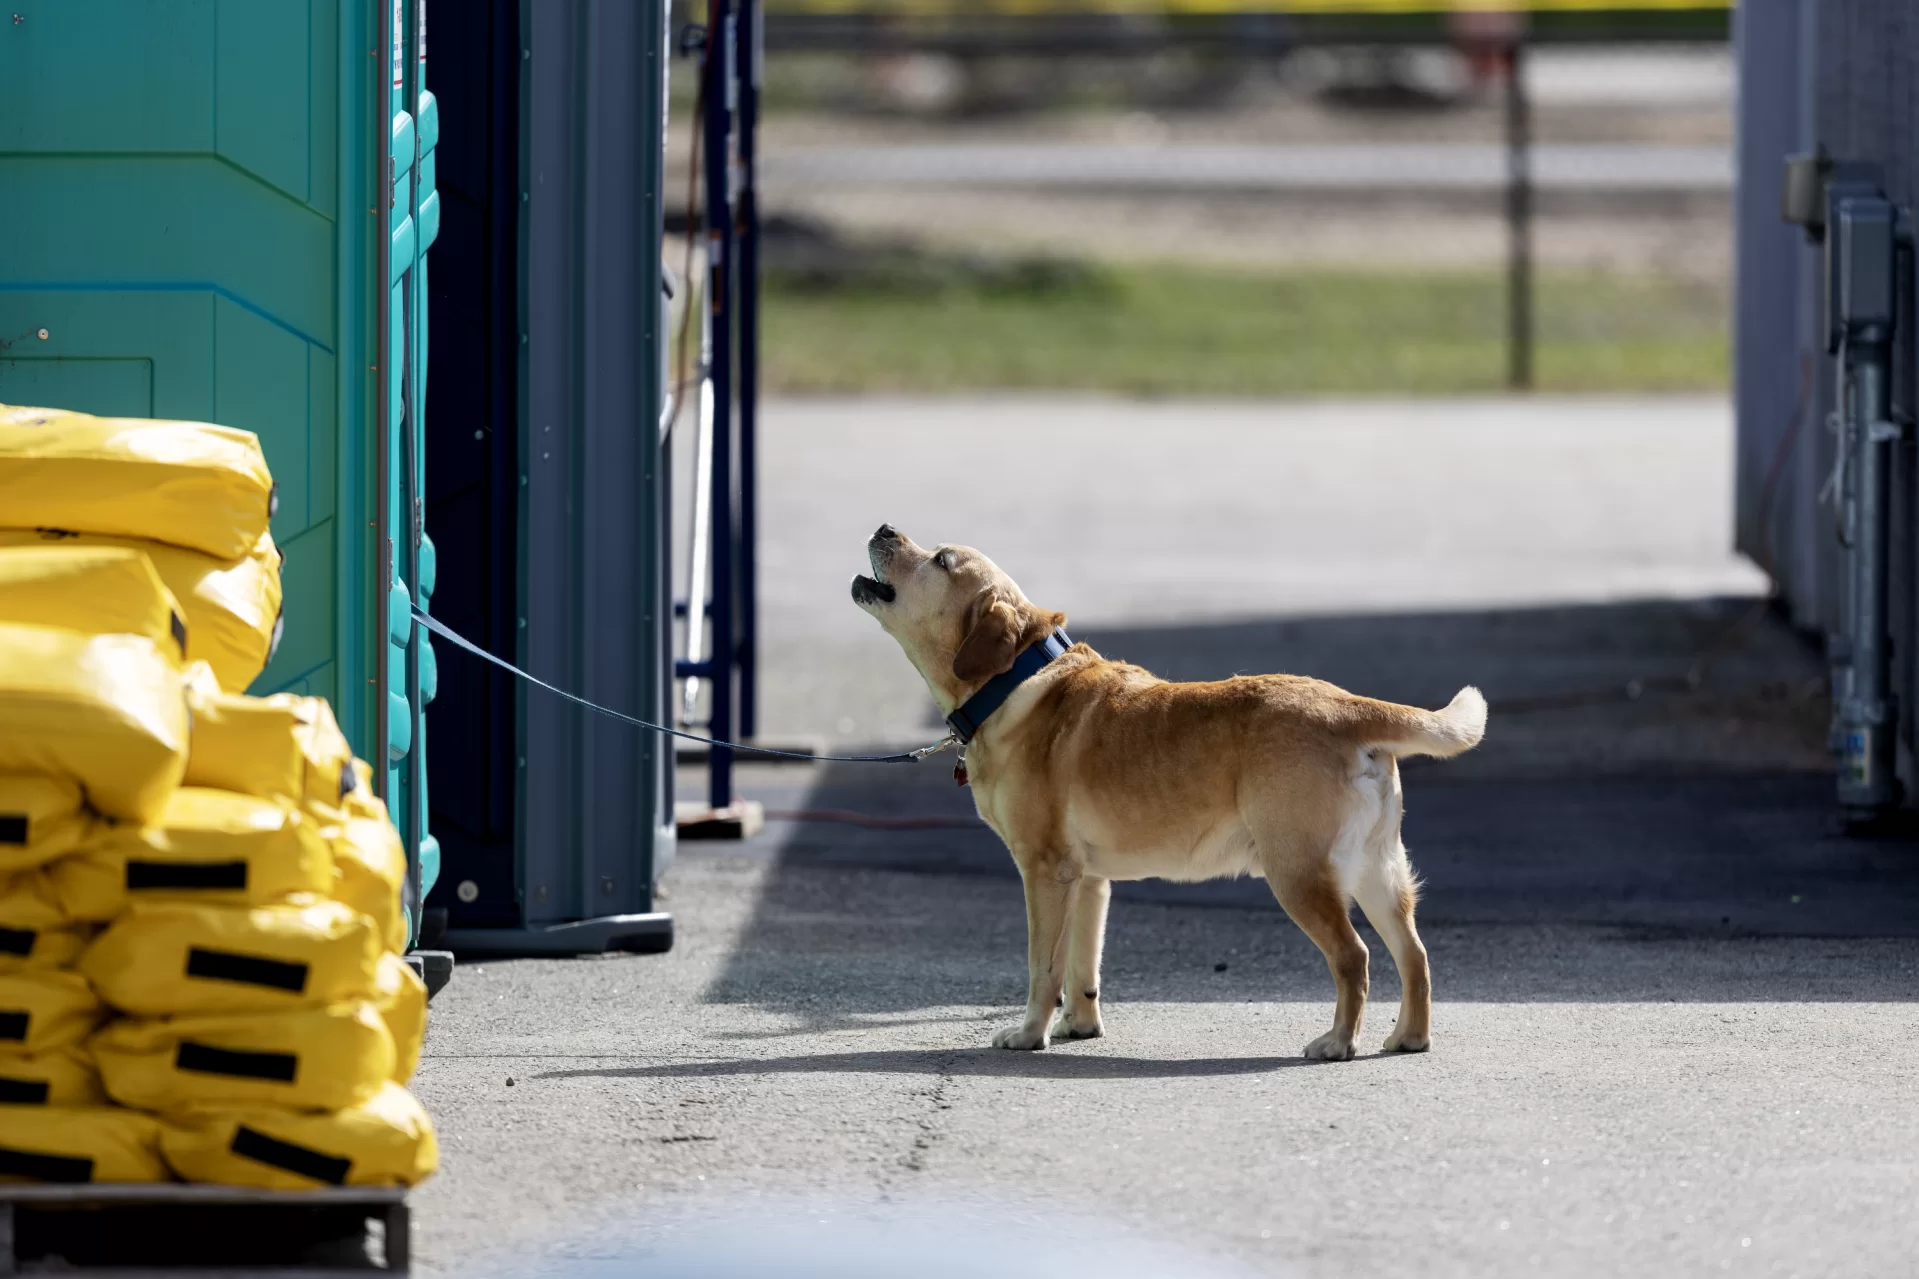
x,y
942,562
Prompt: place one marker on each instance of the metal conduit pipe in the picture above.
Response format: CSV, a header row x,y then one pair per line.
x,y
1863,259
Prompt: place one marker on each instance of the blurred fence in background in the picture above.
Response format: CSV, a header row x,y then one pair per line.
x,y
1197,198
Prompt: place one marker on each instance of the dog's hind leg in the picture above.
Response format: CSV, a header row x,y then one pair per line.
x,y
1319,906
1086,938
1387,892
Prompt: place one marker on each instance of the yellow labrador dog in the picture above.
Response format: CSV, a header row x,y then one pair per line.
x,y
1092,770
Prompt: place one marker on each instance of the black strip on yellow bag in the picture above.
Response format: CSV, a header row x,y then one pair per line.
x,y
41,818
101,590
106,711
34,931
79,1144
232,607
162,959
385,1141
42,1009
41,947
63,1077
357,798
279,747
401,999
208,846
369,864
311,1059
188,483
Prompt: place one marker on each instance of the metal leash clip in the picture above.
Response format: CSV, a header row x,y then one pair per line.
x,y
951,739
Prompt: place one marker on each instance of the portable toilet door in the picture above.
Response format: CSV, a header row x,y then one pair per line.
x,y
552,476
410,674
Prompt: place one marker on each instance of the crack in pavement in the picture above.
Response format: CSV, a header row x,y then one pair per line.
x,y
932,1128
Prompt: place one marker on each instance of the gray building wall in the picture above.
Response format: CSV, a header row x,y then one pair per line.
x,y
1837,73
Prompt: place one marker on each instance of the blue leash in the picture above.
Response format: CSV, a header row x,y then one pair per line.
x,y
452,637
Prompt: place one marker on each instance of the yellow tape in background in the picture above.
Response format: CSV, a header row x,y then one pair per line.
x,y
1055,8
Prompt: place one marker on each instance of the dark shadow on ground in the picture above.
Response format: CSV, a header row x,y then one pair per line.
x,y
1688,815
1510,653
1059,1062
1708,856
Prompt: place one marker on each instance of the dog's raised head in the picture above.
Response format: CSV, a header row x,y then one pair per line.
x,y
959,618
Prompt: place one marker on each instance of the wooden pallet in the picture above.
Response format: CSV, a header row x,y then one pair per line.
x,y
742,819
123,1231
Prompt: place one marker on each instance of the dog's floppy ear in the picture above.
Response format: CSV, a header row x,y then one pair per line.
x,y
991,643
997,635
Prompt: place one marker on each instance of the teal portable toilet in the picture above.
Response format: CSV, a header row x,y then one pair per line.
x,y
551,472
219,210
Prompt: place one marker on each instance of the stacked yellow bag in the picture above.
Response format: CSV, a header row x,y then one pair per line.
x,y
233,893
232,607
290,749
255,952
54,1124
194,499
93,722
253,947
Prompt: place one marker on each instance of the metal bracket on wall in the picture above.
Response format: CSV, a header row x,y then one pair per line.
x,y
1869,257
1802,193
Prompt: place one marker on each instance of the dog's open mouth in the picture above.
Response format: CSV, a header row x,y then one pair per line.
x,y
870,590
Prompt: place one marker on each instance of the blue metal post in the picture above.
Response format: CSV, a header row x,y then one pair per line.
x,y
752,51
721,92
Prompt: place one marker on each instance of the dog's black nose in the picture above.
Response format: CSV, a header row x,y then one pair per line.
x,y
887,533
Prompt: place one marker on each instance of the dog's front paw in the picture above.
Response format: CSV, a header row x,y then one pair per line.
x,y
1067,1027
1402,1042
1024,1038
1331,1046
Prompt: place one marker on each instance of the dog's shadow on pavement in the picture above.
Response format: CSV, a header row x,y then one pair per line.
x,y
993,1063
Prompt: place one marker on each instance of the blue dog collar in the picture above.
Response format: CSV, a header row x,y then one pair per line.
x,y
966,721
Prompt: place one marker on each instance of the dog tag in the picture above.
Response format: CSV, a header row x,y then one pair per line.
x,y
959,773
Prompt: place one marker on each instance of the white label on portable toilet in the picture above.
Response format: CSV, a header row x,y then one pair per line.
x,y
423,34
399,42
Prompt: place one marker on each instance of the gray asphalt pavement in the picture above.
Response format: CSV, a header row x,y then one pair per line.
x,y
1674,1009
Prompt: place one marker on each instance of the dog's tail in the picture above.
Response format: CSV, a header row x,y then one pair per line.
x,y
1407,730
